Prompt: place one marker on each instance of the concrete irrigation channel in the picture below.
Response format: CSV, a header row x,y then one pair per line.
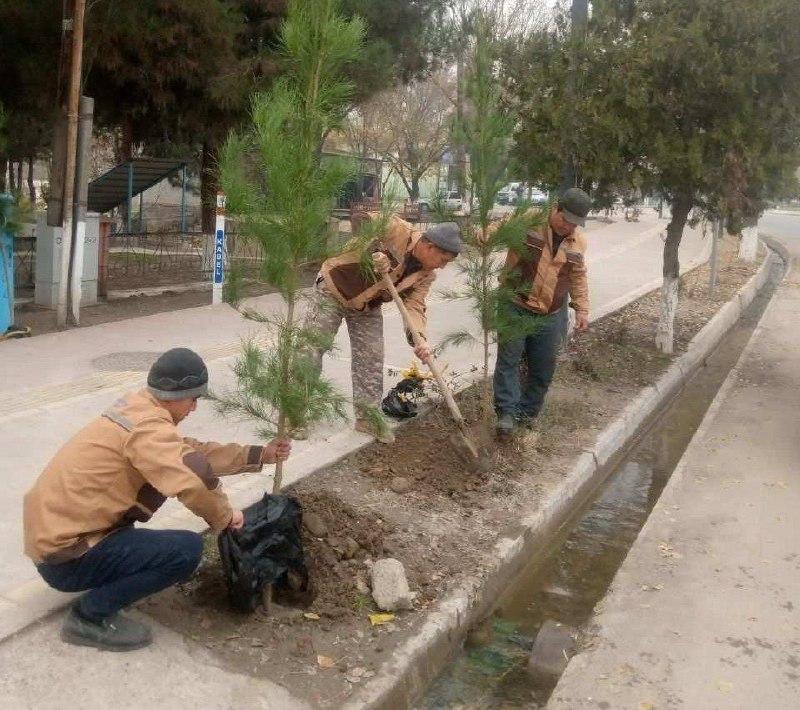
x,y
523,555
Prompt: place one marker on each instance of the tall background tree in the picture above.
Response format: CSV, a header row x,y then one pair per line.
x,y
408,126
30,41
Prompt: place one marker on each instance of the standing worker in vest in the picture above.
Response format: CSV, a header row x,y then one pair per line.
x,y
539,278
79,516
345,291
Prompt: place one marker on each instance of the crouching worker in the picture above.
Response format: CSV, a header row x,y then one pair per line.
x,y
79,516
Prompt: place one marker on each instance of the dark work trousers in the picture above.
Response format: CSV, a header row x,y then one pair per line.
x,y
124,567
540,349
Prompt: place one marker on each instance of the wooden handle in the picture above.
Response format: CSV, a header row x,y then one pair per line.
x,y
417,338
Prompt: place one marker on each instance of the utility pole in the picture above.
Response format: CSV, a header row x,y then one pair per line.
x,y
76,59
83,155
580,19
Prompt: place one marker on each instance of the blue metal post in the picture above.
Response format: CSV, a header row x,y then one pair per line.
x,y
183,200
6,264
130,196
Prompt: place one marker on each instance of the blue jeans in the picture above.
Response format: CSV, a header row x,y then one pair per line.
x,y
124,567
525,400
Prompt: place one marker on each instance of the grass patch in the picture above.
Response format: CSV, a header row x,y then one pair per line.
x,y
362,604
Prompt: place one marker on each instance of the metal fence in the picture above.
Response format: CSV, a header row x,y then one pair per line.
x,y
131,261
24,266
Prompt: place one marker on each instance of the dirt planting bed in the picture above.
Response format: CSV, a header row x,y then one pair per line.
x,y
444,522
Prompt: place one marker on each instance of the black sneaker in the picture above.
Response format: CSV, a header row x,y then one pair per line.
x,y
117,633
505,425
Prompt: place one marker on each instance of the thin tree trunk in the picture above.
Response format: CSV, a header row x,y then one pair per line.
x,y
125,154
285,372
671,270
414,188
19,176
748,246
409,190
126,143
385,182
3,168
12,186
209,182
31,186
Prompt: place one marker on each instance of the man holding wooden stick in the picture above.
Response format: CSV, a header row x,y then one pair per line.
x,y
345,290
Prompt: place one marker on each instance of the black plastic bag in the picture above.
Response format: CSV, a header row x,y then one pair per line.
x,y
399,402
267,550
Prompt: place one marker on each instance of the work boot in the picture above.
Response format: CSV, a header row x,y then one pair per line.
x,y
367,426
116,633
505,424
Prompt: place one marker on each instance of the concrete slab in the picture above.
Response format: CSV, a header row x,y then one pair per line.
x,y
42,672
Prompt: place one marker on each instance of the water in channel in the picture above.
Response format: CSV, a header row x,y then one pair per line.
x,y
565,585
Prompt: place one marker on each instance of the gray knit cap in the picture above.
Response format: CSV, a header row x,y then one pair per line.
x,y
179,373
446,236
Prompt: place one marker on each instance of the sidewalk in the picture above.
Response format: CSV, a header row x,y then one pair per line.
x,y
56,383
703,613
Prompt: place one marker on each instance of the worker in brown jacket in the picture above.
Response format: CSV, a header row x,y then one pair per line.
x,y
345,291
79,516
538,279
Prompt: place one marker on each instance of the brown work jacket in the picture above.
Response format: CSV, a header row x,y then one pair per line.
x,y
118,470
347,282
541,279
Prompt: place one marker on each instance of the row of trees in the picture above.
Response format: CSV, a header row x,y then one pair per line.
x,y
695,100
172,78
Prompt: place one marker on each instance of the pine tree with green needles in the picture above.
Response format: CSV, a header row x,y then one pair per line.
x,y
486,130
280,194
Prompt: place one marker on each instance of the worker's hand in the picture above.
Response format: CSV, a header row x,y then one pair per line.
x,y
581,322
276,450
424,352
381,263
237,521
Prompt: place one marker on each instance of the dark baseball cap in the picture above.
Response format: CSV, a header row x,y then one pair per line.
x,y
575,205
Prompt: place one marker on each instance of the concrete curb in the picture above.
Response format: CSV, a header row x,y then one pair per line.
x,y
403,679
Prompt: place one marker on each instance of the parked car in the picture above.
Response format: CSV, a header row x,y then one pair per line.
x,y
538,197
451,201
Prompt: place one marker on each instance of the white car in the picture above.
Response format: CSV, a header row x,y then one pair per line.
x,y
450,201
